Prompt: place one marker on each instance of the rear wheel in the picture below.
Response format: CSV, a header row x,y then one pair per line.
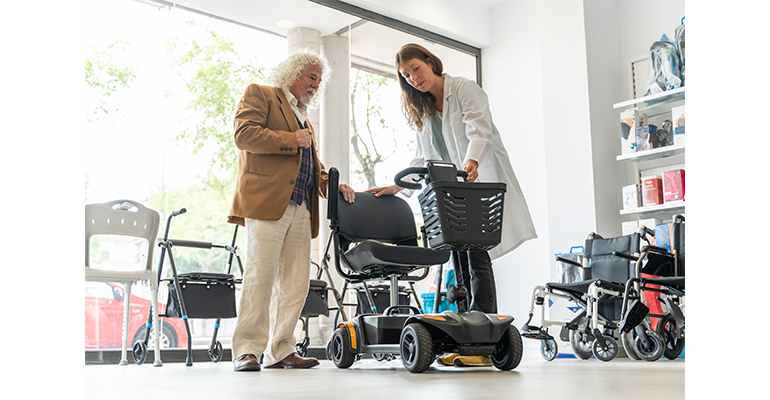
x,y
581,340
508,350
627,340
416,348
653,350
339,349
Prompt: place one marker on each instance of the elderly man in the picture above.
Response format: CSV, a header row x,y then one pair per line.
x,y
278,182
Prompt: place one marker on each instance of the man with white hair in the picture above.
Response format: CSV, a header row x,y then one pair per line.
x,y
278,181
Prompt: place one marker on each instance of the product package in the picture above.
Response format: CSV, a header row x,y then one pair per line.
x,y
673,185
652,190
646,137
663,236
665,69
627,132
677,116
632,195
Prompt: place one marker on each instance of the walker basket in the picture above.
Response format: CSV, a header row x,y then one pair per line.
x,y
205,295
462,215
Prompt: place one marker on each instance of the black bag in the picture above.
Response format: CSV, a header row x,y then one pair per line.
x,y
206,295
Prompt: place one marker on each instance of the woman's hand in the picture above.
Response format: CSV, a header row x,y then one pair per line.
x,y
472,169
347,193
386,190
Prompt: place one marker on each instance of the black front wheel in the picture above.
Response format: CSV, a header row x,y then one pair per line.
x,y
416,348
216,353
508,350
339,349
139,352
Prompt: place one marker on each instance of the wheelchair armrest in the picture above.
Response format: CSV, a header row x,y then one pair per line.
x,y
568,261
624,255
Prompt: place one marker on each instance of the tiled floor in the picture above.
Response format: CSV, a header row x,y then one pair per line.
x,y
534,378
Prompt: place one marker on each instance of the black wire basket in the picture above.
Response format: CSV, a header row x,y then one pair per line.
x,y
463,215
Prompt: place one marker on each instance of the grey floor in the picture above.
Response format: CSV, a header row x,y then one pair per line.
x,y
368,379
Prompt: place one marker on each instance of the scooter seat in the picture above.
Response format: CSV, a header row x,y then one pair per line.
x,y
372,254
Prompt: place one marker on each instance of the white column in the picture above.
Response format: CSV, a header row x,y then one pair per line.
x,y
301,38
334,133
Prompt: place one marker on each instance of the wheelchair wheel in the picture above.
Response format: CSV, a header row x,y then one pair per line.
x,y
581,341
139,352
508,350
654,349
673,345
416,348
216,353
339,349
548,349
605,353
627,340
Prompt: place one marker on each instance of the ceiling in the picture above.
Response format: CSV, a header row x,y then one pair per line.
x,y
372,45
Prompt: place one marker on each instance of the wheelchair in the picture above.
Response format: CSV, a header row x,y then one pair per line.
x,y
659,271
594,330
375,238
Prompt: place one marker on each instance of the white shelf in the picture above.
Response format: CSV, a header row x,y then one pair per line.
x,y
654,154
671,207
654,99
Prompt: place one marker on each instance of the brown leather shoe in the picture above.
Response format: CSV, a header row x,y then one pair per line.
x,y
246,362
293,360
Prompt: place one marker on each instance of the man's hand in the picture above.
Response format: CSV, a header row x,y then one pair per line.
x,y
347,193
304,139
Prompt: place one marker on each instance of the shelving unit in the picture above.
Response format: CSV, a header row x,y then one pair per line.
x,y
650,162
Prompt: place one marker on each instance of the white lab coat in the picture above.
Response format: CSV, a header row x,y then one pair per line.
x,y
469,133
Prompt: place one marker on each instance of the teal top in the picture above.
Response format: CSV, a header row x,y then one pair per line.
x,y
438,139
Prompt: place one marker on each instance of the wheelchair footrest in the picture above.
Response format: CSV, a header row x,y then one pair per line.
x,y
534,332
634,316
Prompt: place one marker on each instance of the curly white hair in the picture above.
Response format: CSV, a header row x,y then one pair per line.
x,y
290,69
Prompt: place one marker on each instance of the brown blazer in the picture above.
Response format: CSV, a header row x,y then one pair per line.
x,y
268,158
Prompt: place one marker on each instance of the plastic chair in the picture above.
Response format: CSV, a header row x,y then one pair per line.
x,y
131,219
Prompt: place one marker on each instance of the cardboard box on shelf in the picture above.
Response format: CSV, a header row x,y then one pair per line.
x,y
673,185
677,118
650,223
629,227
632,195
652,190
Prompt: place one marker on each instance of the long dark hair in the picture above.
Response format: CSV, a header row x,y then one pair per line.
x,y
417,105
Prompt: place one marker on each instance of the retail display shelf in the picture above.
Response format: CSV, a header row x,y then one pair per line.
x,y
654,154
668,208
653,99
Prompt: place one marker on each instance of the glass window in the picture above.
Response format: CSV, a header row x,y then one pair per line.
x,y
162,84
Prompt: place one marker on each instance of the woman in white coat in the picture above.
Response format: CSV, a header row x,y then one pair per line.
x,y
454,123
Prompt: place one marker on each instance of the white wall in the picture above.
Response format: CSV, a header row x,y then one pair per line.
x,y
552,71
555,68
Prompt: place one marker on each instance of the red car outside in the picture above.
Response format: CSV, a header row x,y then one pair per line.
x,y
104,319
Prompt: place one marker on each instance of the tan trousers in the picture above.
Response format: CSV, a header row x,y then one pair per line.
x,y
275,283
